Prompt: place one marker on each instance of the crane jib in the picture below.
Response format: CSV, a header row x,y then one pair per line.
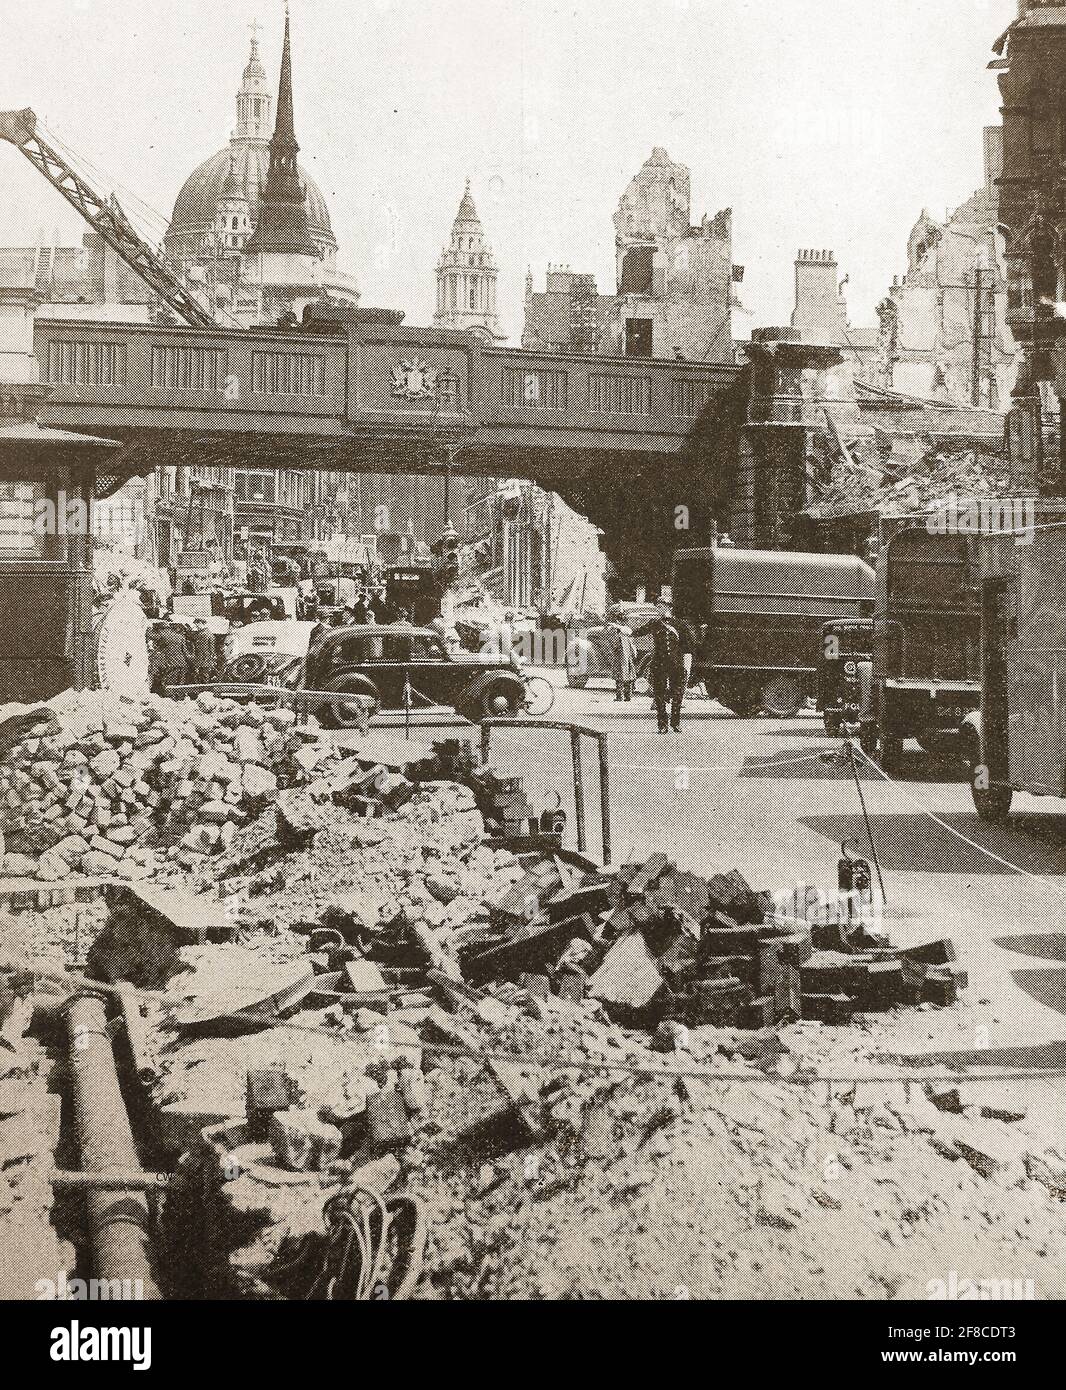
x,y
105,216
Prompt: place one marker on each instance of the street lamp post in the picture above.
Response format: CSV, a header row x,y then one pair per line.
x,y
446,398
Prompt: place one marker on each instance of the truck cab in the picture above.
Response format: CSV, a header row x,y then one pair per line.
x,y
925,677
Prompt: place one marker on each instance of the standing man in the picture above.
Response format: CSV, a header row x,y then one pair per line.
x,y
667,670
623,653
255,574
204,653
171,652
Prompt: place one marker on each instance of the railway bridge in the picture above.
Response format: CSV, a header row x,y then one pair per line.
x,y
606,433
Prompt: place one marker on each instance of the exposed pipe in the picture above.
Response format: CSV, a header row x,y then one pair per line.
x,y
119,1221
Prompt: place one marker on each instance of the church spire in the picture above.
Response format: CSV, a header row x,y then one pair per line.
x,y
283,127
282,225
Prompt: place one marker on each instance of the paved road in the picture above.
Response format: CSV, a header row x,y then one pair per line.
x,y
754,795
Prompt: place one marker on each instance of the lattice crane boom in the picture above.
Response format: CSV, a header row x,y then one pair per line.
x,y
103,215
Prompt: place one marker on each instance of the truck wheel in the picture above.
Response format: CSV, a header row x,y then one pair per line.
x,y
992,804
743,702
782,697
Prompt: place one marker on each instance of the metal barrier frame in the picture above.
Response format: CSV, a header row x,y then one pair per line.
x,y
576,731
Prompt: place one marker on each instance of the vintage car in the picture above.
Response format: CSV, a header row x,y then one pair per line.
x,y
374,664
588,655
269,653
237,607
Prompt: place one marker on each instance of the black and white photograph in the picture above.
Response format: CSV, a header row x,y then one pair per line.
x,y
533,667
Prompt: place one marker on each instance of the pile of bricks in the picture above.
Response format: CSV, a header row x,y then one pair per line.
x,y
502,801
653,943
108,788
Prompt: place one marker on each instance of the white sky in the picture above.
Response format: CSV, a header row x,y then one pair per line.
x,y
823,123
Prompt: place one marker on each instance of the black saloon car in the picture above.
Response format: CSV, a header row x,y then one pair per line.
x,y
378,663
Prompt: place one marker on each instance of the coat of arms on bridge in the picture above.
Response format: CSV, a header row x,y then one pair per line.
x,y
414,381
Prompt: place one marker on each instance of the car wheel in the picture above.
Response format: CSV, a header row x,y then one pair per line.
x,y
247,669
500,701
575,680
831,723
992,804
782,697
348,716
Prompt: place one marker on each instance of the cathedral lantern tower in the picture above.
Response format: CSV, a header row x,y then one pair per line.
x,y
254,100
466,277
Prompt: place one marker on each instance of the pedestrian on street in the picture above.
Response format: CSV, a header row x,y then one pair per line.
x,y
667,669
379,607
623,654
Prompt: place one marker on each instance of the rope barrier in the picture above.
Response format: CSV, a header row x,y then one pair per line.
x,y
758,767
972,844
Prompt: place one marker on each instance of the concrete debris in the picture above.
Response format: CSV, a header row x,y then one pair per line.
x,y
363,987
911,480
300,1140
93,785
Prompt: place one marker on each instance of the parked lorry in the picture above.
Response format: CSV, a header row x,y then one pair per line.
x,y
925,677
754,619
1017,740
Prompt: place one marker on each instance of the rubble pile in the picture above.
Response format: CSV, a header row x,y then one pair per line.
x,y
30,1111
96,786
652,1186
661,947
909,480
502,801
573,1074
556,1153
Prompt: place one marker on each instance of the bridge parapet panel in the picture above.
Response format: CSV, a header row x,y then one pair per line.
x,y
408,388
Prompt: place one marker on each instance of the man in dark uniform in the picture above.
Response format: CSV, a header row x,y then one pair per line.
x,y
204,653
667,669
170,656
